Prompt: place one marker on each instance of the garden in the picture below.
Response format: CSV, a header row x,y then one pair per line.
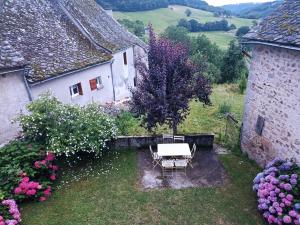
x,y
64,169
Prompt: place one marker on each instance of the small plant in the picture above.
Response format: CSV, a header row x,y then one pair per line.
x,y
224,108
126,122
242,84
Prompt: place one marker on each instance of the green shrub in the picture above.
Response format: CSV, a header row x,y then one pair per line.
x,y
67,129
15,158
242,84
224,108
128,124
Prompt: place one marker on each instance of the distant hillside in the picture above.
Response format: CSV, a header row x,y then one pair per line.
x,y
143,5
253,10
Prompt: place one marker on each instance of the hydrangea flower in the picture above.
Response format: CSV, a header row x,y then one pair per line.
x,y
275,188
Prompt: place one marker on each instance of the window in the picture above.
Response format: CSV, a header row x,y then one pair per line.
x,y
76,90
125,58
134,81
96,83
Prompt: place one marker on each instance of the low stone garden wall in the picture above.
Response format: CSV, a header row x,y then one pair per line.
x,y
201,140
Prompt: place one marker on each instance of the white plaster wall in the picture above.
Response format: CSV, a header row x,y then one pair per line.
x,y
13,99
60,86
123,74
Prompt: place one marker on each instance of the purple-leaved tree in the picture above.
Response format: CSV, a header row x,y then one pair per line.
x,y
167,84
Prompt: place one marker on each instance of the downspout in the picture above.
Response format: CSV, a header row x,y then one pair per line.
x,y
112,79
25,73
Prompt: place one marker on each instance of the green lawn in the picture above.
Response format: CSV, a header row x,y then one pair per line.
x,y
105,191
162,18
205,119
221,38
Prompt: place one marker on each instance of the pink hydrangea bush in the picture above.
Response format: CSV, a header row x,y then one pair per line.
x,y
9,213
277,189
38,187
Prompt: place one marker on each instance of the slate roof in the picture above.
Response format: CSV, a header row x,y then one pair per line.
x,y
43,36
282,26
105,30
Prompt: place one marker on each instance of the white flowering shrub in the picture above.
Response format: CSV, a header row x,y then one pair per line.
x,y
67,129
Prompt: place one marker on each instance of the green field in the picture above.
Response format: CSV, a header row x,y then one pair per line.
x,y
162,18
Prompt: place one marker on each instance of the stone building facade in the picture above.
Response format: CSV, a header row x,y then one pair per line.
x,y
273,94
271,123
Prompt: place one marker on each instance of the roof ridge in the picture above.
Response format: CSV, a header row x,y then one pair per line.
x,y
83,29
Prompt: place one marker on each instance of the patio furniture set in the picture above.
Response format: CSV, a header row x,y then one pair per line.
x,y
173,154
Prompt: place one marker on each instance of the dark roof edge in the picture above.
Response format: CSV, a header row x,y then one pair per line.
x,y
11,70
272,44
68,73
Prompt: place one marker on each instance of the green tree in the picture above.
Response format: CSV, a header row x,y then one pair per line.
x,y
233,64
242,31
204,52
188,12
177,34
232,27
136,27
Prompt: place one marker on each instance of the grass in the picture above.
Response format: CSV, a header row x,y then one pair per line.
x,y
205,119
221,38
162,18
105,191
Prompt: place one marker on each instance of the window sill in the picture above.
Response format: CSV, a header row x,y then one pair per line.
x,y
75,96
100,87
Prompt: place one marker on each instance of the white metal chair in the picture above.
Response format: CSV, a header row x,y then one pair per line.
x,y
155,157
168,138
167,166
179,139
181,165
193,152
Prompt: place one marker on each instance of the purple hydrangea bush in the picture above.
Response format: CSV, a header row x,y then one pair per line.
x,y
9,212
277,189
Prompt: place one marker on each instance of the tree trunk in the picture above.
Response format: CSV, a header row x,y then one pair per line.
x,y
174,128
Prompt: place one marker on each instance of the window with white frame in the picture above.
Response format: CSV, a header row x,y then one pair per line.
x,y
76,90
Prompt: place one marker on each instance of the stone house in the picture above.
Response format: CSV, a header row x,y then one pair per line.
x,y
71,48
271,123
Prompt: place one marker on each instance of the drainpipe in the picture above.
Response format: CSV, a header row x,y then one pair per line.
x,y
25,73
112,79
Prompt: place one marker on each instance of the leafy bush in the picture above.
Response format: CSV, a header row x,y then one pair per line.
x,y
128,124
224,108
277,189
14,158
26,171
38,186
67,129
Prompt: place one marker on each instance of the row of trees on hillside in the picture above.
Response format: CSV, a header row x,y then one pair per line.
x,y
142,5
195,26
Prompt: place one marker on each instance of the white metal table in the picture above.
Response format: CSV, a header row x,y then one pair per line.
x,y
174,149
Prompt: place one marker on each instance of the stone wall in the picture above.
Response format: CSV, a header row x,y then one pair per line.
x,y
273,92
13,98
201,140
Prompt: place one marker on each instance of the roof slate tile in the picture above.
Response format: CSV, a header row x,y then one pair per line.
x,y
282,26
